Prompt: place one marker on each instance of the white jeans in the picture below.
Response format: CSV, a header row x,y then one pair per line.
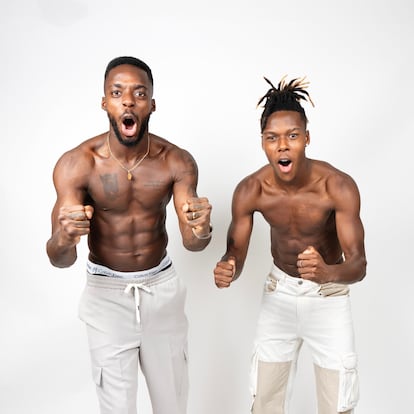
x,y
294,311
131,322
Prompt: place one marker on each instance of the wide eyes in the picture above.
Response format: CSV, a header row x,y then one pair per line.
x,y
272,138
139,93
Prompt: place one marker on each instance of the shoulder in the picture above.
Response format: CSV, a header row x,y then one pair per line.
x,y
250,188
339,185
81,159
334,177
254,182
174,156
163,148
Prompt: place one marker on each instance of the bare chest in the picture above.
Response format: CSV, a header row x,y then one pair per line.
x,y
148,189
301,214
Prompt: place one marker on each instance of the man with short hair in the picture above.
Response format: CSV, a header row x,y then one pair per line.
x,y
317,244
115,188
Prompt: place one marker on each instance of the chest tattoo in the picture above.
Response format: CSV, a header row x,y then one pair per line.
x,y
110,185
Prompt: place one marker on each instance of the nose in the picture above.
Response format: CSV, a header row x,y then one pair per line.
x,y
128,99
283,144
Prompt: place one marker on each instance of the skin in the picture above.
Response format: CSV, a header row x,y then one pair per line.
x,y
311,207
124,220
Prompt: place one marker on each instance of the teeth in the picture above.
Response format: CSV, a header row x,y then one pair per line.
x,y
284,162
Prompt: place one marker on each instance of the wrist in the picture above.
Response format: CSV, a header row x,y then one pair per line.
x,y
203,236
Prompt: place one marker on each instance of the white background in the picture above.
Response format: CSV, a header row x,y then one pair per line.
x,y
208,60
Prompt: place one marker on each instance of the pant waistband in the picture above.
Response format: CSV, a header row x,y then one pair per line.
x,y
100,270
280,275
304,285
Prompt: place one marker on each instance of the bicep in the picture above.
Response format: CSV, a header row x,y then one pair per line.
x,y
240,229
349,226
69,185
185,183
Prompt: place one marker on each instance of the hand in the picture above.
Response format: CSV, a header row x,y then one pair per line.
x,y
74,222
197,213
311,266
224,272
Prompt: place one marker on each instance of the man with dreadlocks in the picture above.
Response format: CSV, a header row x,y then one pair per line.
x,y
317,244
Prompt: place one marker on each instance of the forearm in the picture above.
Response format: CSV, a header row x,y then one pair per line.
x,y
60,254
350,271
196,239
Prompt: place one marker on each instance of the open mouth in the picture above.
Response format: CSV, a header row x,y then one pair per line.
x,y
284,163
128,122
129,125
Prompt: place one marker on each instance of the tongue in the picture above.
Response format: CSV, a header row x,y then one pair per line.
x,y
285,168
129,130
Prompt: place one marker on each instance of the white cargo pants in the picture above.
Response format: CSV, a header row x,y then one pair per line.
x,y
131,322
294,311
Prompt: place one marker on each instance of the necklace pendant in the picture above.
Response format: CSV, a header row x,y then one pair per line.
x,y
129,176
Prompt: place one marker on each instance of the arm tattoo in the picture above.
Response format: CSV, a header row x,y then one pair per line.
x,y
190,165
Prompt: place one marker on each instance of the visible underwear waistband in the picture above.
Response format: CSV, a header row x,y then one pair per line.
x,y
103,282
100,270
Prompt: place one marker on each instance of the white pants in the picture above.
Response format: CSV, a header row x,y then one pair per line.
x,y
294,311
131,322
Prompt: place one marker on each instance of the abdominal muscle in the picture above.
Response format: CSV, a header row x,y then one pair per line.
x,y
127,244
285,251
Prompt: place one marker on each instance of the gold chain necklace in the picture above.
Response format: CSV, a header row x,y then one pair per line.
x,y
128,170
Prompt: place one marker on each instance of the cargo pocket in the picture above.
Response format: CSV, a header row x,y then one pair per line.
x,y
184,385
179,354
348,394
97,375
253,377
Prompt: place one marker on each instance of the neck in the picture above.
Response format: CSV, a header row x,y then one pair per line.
x,y
128,150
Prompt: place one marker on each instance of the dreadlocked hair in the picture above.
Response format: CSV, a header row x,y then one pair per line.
x,y
285,97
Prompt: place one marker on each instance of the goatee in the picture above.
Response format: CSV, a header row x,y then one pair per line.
x,y
142,130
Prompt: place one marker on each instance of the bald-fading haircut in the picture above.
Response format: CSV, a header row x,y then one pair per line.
x,y
129,60
285,97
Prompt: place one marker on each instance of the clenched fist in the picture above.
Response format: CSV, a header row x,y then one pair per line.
x,y
224,272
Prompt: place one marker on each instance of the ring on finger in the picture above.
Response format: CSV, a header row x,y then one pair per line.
x,y
194,215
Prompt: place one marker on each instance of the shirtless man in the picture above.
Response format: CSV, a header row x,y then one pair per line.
x,y
114,188
317,244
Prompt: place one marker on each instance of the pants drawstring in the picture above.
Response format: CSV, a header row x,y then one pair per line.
x,y
137,287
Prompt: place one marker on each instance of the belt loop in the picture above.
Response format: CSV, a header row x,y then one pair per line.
x,y
278,274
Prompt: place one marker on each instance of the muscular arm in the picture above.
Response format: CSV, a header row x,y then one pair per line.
x,y
193,212
70,218
238,235
350,232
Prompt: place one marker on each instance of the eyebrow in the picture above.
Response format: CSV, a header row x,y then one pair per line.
x,y
289,130
137,86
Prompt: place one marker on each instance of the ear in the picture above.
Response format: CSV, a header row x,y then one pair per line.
x,y
153,105
103,103
307,140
